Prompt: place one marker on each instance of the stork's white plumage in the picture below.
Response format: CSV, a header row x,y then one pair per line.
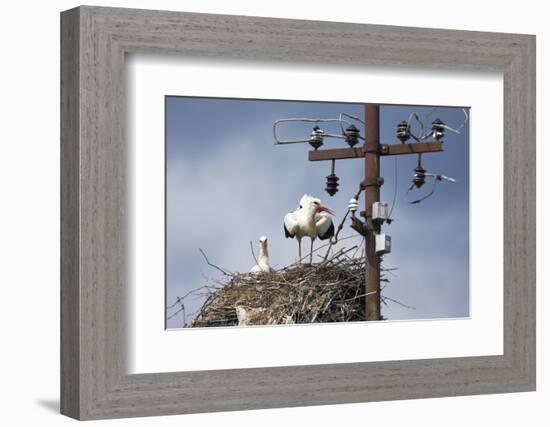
x,y
263,258
311,219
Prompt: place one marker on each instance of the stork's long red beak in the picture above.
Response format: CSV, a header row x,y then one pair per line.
x,y
325,209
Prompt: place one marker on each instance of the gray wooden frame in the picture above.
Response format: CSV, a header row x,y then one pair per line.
x,y
94,41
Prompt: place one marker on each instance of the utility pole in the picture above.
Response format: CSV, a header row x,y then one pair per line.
x,y
371,152
371,186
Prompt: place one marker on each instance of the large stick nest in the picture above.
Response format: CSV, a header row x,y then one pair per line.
x,y
331,291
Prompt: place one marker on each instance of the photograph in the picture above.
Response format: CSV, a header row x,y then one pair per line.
x,y
279,212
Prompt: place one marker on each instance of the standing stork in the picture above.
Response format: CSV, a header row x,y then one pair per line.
x,y
311,219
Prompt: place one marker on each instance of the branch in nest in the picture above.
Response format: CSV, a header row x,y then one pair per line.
x,y
315,250
253,254
213,265
396,302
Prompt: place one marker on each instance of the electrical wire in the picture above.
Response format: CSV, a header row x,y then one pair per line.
x,y
425,134
423,197
394,190
445,126
415,116
340,120
459,128
304,120
334,239
436,178
349,116
345,121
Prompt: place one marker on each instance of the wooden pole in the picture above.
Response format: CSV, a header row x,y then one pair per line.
x,y
372,184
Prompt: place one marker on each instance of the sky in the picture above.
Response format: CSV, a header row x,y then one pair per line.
x,y
227,184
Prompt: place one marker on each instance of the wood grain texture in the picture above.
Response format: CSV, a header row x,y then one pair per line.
x,y
70,221
94,382
385,150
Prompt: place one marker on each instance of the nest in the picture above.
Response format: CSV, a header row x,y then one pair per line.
x,y
331,291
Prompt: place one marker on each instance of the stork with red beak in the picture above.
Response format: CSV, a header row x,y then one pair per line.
x,y
311,219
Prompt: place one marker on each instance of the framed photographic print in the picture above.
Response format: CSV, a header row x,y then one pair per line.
x,y
346,212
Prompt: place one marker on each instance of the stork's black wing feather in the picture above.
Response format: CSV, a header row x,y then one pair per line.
x,y
329,233
287,233
290,221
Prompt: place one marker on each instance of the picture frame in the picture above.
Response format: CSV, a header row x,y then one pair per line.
x,y
94,379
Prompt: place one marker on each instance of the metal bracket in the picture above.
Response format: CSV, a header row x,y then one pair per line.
x,y
363,227
371,147
378,182
358,226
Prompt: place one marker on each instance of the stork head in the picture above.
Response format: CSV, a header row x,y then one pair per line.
x,y
314,205
263,245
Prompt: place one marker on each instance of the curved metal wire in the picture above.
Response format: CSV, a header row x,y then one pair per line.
x,y
415,116
304,120
459,128
445,126
394,190
440,177
425,134
349,116
436,178
340,120
432,191
334,239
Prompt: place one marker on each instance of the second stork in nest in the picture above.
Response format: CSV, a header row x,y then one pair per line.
x,y
262,265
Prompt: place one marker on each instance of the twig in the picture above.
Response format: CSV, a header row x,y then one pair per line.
x,y
180,310
315,250
173,305
362,245
397,302
213,265
339,254
359,296
328,250
253,254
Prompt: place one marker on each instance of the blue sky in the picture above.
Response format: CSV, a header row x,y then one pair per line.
x,y
228,184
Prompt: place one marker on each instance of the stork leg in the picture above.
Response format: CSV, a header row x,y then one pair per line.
x,y
311,252
299,251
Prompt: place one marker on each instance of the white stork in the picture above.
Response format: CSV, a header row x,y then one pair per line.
x,y
263,258
311,219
